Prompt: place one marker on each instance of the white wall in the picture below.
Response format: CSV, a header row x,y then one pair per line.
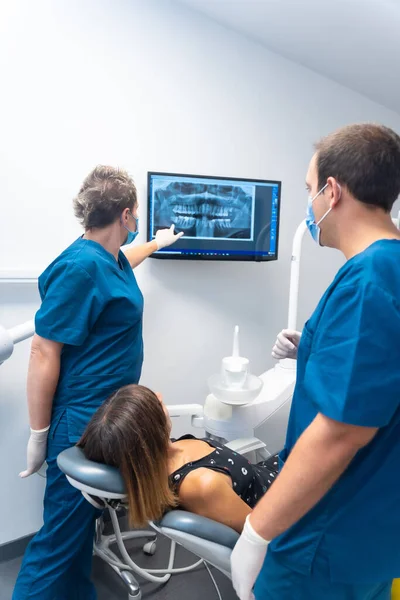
x,y
150,86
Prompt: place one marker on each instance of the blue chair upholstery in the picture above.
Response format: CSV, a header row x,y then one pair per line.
x,y
200,527
74,463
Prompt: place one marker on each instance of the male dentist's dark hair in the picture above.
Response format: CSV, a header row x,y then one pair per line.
x,y
366,159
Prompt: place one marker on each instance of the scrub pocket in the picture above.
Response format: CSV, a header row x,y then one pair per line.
x,y
55,421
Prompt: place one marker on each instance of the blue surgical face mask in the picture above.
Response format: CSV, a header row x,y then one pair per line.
x,y
131,234
314,227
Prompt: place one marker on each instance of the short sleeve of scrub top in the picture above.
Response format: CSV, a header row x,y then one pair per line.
x,y
353,371
70,306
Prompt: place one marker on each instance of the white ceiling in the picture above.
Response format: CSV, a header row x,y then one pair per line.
x,y
354,42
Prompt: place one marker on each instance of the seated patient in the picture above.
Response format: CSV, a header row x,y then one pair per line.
x,y
131,431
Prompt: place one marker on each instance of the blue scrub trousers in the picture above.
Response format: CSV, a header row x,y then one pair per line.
x,y
277,582
57,563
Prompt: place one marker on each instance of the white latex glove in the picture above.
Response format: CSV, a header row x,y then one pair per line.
x,y
246,561
36,451
287,344
166,237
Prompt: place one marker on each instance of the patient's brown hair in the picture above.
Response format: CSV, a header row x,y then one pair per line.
x,y
130,431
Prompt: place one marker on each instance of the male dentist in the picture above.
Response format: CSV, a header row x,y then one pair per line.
x,y
329,527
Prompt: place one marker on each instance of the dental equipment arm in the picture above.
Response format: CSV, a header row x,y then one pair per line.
x,y
295,275
10,337
43,374
288,340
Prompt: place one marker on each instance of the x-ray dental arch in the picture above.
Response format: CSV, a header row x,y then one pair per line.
x,y
205,210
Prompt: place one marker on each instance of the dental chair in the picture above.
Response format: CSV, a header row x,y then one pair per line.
x,y
103,487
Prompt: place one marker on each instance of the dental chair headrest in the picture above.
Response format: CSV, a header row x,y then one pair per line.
x,y
74,463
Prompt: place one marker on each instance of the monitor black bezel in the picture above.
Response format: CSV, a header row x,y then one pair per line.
x,y
239,258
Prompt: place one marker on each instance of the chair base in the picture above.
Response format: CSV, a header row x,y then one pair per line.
x,y
125,567
102,549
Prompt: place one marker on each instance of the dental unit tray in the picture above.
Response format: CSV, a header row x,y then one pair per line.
x,y
236,397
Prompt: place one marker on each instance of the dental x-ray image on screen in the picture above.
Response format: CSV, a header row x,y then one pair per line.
x,y
204,210
221,218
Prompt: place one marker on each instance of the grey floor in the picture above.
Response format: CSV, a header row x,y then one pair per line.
x,y
195,585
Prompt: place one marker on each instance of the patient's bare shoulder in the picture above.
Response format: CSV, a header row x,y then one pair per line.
x,y
202,484
210,494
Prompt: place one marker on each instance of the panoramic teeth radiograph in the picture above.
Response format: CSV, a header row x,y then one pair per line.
x,y
205,210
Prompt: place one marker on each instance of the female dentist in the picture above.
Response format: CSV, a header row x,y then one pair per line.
x,y
88,343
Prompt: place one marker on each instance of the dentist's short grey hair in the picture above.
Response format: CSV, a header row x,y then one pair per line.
x,y
103,196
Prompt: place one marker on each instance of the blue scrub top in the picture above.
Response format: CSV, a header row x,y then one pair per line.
x,y
348,369
92,304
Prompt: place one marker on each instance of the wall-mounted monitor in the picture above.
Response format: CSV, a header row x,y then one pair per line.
x,y
222,218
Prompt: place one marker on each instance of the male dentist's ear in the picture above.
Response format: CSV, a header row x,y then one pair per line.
x,y
335,191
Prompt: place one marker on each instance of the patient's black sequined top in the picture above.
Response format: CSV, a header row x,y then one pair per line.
x,y
250,482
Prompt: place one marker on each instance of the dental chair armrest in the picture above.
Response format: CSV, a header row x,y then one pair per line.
x,y
245,445
201,527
